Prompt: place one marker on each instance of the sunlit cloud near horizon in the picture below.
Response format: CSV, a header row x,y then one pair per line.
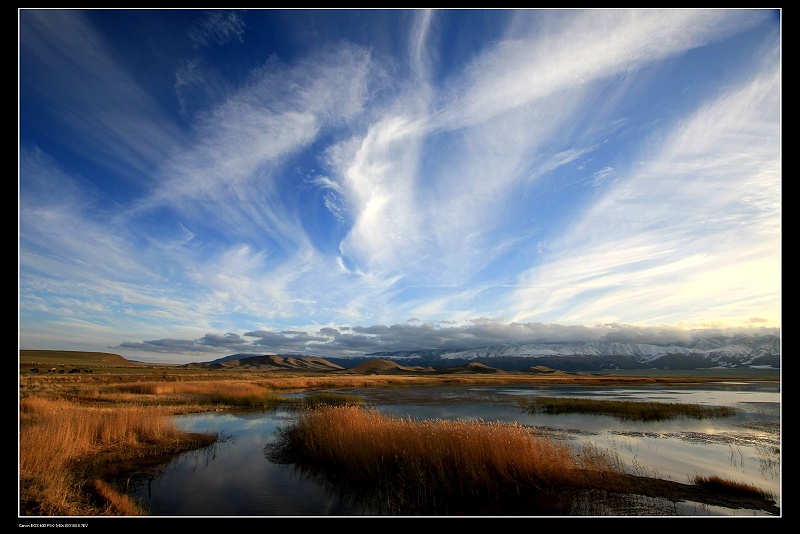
x,y
198,183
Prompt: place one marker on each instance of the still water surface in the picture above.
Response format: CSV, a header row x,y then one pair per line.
x,y
235,478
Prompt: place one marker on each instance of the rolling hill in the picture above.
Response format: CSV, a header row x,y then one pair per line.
x,y
55,358
269,363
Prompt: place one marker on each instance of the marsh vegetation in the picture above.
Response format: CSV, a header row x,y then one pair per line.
x,y
624,410
65,450
435,467
77,433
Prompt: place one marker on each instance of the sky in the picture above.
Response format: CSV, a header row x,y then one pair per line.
x,y
200,183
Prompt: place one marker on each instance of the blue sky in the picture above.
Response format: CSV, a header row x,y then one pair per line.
x,y
194,184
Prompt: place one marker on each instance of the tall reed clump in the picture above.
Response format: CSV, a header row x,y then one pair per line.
x,y
419,465
60,443
732,487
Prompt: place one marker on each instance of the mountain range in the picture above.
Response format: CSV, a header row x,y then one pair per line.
x,y
731,352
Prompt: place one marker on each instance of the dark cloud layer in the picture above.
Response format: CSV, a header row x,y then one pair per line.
x,y
331,341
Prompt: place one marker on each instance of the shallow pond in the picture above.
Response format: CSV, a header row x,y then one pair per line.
x,y
235,478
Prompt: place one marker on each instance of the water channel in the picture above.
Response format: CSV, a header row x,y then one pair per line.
x,y
235,478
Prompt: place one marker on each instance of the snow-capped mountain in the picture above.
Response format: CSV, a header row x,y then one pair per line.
x,y
717,352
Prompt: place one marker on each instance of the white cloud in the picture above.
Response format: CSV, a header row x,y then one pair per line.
x,y
705,204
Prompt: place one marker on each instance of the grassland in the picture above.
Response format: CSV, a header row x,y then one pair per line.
x,y
78,430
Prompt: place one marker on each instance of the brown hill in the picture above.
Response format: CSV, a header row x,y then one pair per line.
x,y
470,368
55,358
386,367
542,370
271,363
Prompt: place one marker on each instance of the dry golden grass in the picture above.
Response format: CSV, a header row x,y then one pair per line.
x,y
222,392
114,502
80,431
60,440
317,400
304,383
417,463
731,487
70,428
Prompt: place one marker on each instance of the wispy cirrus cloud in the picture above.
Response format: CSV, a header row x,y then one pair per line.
x,y
217,27
533,167
107,117
698,222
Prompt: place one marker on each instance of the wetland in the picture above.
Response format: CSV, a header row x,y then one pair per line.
x,y
238,478
173,442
